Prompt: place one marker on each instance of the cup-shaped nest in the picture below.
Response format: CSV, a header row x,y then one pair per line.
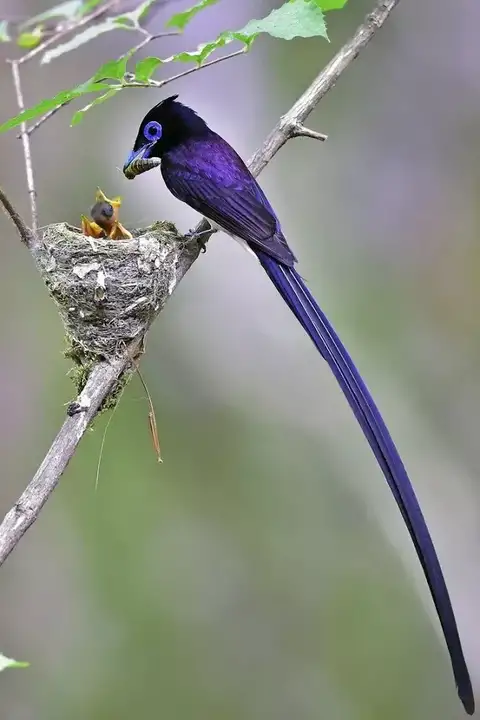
x,y
109,291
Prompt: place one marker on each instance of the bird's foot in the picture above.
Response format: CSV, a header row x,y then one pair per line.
x,y
197,237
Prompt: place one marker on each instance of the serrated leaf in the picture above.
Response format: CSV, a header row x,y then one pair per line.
x,y
326,5
30,40
50,103
180,20
68,10
296,18
145,68
4,34
6,662
80,114
204,50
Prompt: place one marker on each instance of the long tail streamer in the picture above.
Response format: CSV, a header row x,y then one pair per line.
x,y
299,299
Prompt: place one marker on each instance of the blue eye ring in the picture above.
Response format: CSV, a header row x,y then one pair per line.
x,y
152,131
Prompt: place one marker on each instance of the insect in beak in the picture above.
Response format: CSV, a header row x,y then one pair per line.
x,y
138,162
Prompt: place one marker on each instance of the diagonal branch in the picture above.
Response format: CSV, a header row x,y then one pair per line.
x,y
104,375
287,127
24,231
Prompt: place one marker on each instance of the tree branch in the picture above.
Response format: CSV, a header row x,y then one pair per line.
x,y
27,508
27,153
104,375
24,231
287,127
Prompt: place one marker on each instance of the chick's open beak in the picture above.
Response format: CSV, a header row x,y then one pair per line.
x,y
104,222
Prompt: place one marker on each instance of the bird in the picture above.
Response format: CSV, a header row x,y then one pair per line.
x,y
104,222
201,169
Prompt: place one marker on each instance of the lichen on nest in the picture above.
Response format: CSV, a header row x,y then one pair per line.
x,y
108,292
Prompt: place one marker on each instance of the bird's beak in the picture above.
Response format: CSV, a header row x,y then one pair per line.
x,y
139,162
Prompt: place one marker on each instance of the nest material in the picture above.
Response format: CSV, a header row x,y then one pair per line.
x,y
109,291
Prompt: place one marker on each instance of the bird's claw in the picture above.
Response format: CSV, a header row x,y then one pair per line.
x,y
197,237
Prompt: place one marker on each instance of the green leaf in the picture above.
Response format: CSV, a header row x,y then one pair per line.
x,y
124,21
80,114
204,50
114,69
6,662
4,34
78,40
49,104
330,4
67,10
88,6
30,39
145,68
127,21
180,20
296,18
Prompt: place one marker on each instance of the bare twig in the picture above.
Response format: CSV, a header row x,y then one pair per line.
x,y
27,153
299,130
24,231
104,376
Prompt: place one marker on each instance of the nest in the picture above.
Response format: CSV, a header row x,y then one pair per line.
x,y
109,291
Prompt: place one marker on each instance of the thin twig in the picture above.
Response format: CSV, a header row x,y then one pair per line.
x,y
183,74
299,130
44,118
146,41
24,231
133,84
104,375
27,153
97,13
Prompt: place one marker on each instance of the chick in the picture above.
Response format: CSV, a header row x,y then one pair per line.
x,y
104,222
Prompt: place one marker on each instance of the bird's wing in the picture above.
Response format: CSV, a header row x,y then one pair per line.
x,y
211,178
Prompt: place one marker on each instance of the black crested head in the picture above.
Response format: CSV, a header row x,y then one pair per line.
x,y
177,123
164,127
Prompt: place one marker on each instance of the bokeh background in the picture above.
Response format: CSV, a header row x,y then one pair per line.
x,y
263,571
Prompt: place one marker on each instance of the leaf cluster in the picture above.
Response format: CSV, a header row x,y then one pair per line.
x,y
294,18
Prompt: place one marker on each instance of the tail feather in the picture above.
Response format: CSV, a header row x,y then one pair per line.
x,y
297,296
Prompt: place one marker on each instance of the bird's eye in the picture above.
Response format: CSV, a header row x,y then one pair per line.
x,y
152,130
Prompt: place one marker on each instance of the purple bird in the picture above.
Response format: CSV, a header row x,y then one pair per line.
x,y
202,170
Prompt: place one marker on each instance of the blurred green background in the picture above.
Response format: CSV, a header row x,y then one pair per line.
x,y
263,571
